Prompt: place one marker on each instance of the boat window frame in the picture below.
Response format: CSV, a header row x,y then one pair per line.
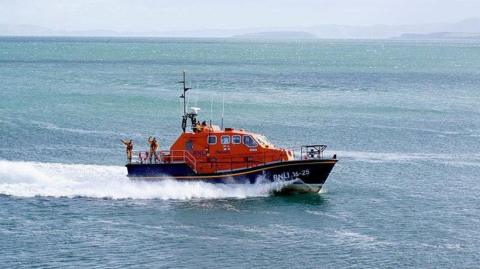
x,y
262,140
239,139
212,143
253,139
189,145
225,136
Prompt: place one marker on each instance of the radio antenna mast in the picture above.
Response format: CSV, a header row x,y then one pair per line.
x,y
183,96
223,108
186,115
211,109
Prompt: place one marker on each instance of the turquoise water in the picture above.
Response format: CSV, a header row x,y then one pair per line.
x,y
403,118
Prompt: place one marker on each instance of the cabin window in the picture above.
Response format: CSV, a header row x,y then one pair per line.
x,y
189,145
212,140
225,139
236,139
262,140
248,141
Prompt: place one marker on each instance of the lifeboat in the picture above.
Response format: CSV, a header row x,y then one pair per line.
x,y
208,153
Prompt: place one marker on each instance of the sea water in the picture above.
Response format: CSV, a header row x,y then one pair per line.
x,y
403,118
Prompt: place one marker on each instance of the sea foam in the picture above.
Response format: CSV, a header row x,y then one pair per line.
x,y
29,179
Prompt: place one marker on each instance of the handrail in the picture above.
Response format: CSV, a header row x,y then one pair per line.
x,y
220,163
165,156
192,159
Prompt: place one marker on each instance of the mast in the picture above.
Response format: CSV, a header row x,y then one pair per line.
x,y
193,115
223,109
211,109
183,96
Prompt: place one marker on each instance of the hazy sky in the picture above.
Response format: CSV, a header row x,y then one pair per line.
x,y
160,15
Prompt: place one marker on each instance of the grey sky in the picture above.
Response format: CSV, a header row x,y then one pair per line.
x,y
151,15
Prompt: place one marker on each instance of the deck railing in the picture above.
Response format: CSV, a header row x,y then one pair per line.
x,y
165,156
230,163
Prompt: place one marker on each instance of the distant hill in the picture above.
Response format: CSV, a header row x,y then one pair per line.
x,y
441,35
331,31
22,29
471,25
277,35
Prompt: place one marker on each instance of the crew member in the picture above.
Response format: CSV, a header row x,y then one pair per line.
x,y
153,148
197,128
128,149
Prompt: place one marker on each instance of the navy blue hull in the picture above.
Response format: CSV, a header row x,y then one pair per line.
x,y
313,172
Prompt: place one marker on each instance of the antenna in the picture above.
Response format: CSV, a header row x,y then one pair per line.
x,y
185,116
183,96
223,109
211,110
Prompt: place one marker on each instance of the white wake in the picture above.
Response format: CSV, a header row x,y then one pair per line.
x,y
29,179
